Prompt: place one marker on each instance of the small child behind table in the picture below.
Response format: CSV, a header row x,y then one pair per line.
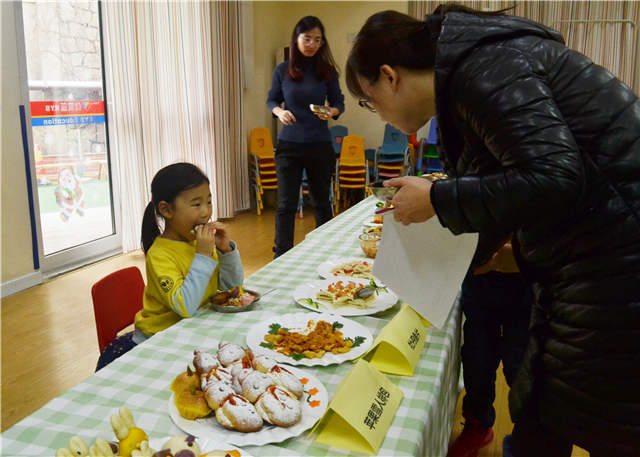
x,y
188,262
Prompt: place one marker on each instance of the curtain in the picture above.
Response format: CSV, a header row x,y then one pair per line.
x,y
603,31
168,102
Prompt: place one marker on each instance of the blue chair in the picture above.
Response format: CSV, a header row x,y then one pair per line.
x,y
393,157
428,157
338,132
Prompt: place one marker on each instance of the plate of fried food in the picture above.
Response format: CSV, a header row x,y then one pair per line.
x,y
244,399
356,267
234,300
345,296
309,339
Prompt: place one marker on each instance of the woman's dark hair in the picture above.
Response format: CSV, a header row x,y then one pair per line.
x,y
396,39
166,185
323,59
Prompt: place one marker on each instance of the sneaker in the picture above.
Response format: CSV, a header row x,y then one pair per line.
x,y
473,438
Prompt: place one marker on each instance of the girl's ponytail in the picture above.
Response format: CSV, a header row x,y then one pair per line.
x,y
150,229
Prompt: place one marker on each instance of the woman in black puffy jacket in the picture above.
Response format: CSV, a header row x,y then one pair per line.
x,y
540,142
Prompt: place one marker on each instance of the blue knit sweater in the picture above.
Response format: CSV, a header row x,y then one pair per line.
x,y
297,95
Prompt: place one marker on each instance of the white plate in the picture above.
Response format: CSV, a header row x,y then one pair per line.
x,y
298,322
209,427
324,269
206,445
369,223
382,300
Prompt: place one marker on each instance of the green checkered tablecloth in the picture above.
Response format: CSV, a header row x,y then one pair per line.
x,y
140,379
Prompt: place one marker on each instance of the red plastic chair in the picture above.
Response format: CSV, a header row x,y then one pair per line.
x,y
116,300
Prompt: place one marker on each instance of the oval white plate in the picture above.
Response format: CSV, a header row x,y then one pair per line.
x,y
313,407
206,445
298,322
324,269
382,300
370,223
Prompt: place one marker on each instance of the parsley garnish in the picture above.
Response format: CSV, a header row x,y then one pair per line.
x,y
357,341
267,345
377,288
297,356
336,325
311,302
273,329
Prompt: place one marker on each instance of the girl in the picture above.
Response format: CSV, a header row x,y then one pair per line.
x,y
191,259
540,142
309,77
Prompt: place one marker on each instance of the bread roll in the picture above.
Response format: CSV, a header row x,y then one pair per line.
x,y
279,407
236,413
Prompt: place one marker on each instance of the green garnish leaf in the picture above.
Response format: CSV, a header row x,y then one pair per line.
x,y
357,341
266,345
376,287
273,329
311,302
297,356
337,325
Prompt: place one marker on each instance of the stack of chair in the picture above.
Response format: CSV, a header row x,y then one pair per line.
x,y
262,166
393,158
352,171
428,157
338,132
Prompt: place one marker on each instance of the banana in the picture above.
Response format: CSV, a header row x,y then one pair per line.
x,y
127,417
101,449
78,447
119,427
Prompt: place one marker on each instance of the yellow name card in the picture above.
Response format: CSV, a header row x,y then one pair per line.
x,y
397,348
360,412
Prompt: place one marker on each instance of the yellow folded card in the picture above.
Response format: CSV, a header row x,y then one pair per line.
x,y
360,412
397,348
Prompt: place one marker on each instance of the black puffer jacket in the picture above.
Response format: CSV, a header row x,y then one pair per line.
x,y
546,144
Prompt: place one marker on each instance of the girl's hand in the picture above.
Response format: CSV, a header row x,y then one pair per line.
x,y
412,201
285,116
503,261
221,237
205,239
332,112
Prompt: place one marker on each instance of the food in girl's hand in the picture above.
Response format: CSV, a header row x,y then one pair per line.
x,y
128,434
229,353
355,269
234,297
279,407
319,109
237,413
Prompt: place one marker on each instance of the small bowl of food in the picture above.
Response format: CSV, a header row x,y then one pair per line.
x,y
376,229
369,243
235,300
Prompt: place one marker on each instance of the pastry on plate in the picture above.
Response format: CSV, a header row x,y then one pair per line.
x,y
185,380
178,444
218,373
215,392
286,379
237,413
204,362
279,407
191,404
255,384
263,363
229,353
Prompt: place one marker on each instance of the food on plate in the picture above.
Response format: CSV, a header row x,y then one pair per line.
x,y
78,448
232,453
237,413
263,363
204,362
192,404
239,371
279,407
369,244
180,446
286,379
128,434
229,353
318,339
377,219
255,384
234,297
377,229
350,294
355,269
143,451
185,380
319,109
215,392
219,374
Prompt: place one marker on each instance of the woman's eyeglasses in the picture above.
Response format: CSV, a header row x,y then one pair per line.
x,y
312,42
366,104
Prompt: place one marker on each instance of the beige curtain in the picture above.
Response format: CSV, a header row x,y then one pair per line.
x,y
171,98
603,31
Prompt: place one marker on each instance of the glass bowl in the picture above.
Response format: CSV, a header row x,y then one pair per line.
x,y
369,243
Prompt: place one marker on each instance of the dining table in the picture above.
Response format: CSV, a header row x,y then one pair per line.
x,y
140,379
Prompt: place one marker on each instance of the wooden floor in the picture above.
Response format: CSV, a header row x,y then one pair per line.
x,y
49,341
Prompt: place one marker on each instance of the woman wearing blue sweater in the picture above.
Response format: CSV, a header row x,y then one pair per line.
x,y
309,77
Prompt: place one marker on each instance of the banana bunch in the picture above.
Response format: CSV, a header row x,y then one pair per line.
x,y
130,437
78,448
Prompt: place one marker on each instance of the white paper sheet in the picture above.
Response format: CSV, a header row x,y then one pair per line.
x,y
424,264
